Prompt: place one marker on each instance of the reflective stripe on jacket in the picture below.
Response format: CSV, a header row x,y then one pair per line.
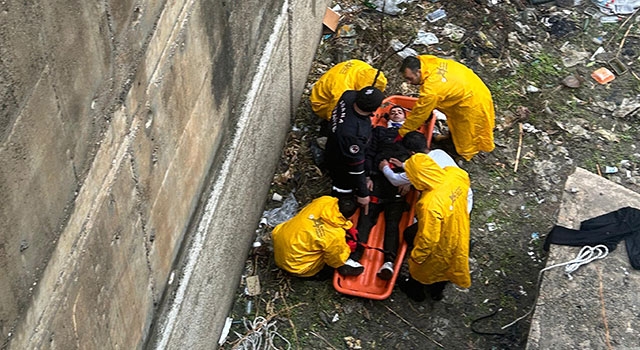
x,y
460,94
314,237
441,245
347,75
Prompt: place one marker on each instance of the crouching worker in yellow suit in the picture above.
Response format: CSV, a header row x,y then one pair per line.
x,y
313,243
439,241
347,75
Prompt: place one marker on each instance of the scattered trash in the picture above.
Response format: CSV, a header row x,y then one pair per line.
x,y
628,107
559,26
453,32
225,330
253,285
598,51
426,38
491,226
436,15
532,89
276,197
568,3
625,163
346,31
535,235
397,46
389,7
262,331
24,245
608,135
618,67
609,19
571,81
249,307
330,21
335,318
619,7
571,56
610,169
353,343
602,75
592,12
276,216
486,42
529,128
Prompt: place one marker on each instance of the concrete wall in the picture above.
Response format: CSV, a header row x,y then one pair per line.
x,y
127,129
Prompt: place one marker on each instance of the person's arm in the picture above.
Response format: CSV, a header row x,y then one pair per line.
x,y
336,251
420,113
428,236
353,152
372,150
396,179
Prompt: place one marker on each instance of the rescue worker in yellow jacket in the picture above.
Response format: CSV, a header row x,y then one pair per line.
x,y
316,238
347,75
439,241
460,94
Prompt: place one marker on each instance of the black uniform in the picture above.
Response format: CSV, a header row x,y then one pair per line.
x,y
346,147
384,196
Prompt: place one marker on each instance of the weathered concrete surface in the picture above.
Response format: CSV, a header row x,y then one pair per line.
x,y
199,301
599,307
116,119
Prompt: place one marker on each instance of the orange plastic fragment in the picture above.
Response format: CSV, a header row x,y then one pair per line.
x,y
603,75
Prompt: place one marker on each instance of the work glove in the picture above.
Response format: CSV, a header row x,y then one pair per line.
x,y
352,238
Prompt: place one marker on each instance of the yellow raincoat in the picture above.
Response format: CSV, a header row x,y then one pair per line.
x,y
460,94
314,237
347,75
441,245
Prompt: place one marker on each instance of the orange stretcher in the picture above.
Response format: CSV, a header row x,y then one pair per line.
x,y
368,285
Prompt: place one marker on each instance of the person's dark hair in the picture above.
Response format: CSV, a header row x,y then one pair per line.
x,y
347,206
411,62
387,115
415,141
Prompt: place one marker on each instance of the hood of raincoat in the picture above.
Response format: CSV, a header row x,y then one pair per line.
x,y
423,172
330,213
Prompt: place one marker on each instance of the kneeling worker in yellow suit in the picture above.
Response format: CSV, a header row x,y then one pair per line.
x,y
347,75
313,242
439,241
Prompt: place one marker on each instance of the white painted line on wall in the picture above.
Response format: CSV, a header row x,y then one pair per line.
x,y
212,202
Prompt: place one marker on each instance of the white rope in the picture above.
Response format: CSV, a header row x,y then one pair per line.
x,y
586,255
260,336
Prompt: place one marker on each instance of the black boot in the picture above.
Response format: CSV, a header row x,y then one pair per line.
x,y
413,289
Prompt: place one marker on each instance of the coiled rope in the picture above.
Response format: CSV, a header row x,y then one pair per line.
x,y
586,255
260,336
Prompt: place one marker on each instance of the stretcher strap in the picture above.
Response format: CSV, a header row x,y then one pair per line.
x,y
364,245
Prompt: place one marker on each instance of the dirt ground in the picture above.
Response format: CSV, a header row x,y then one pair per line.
x,y
529,56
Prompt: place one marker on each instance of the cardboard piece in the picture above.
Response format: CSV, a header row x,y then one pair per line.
x,y
330,21
253,285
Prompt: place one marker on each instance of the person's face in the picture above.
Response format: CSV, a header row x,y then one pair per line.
x,y
396,114
411,77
